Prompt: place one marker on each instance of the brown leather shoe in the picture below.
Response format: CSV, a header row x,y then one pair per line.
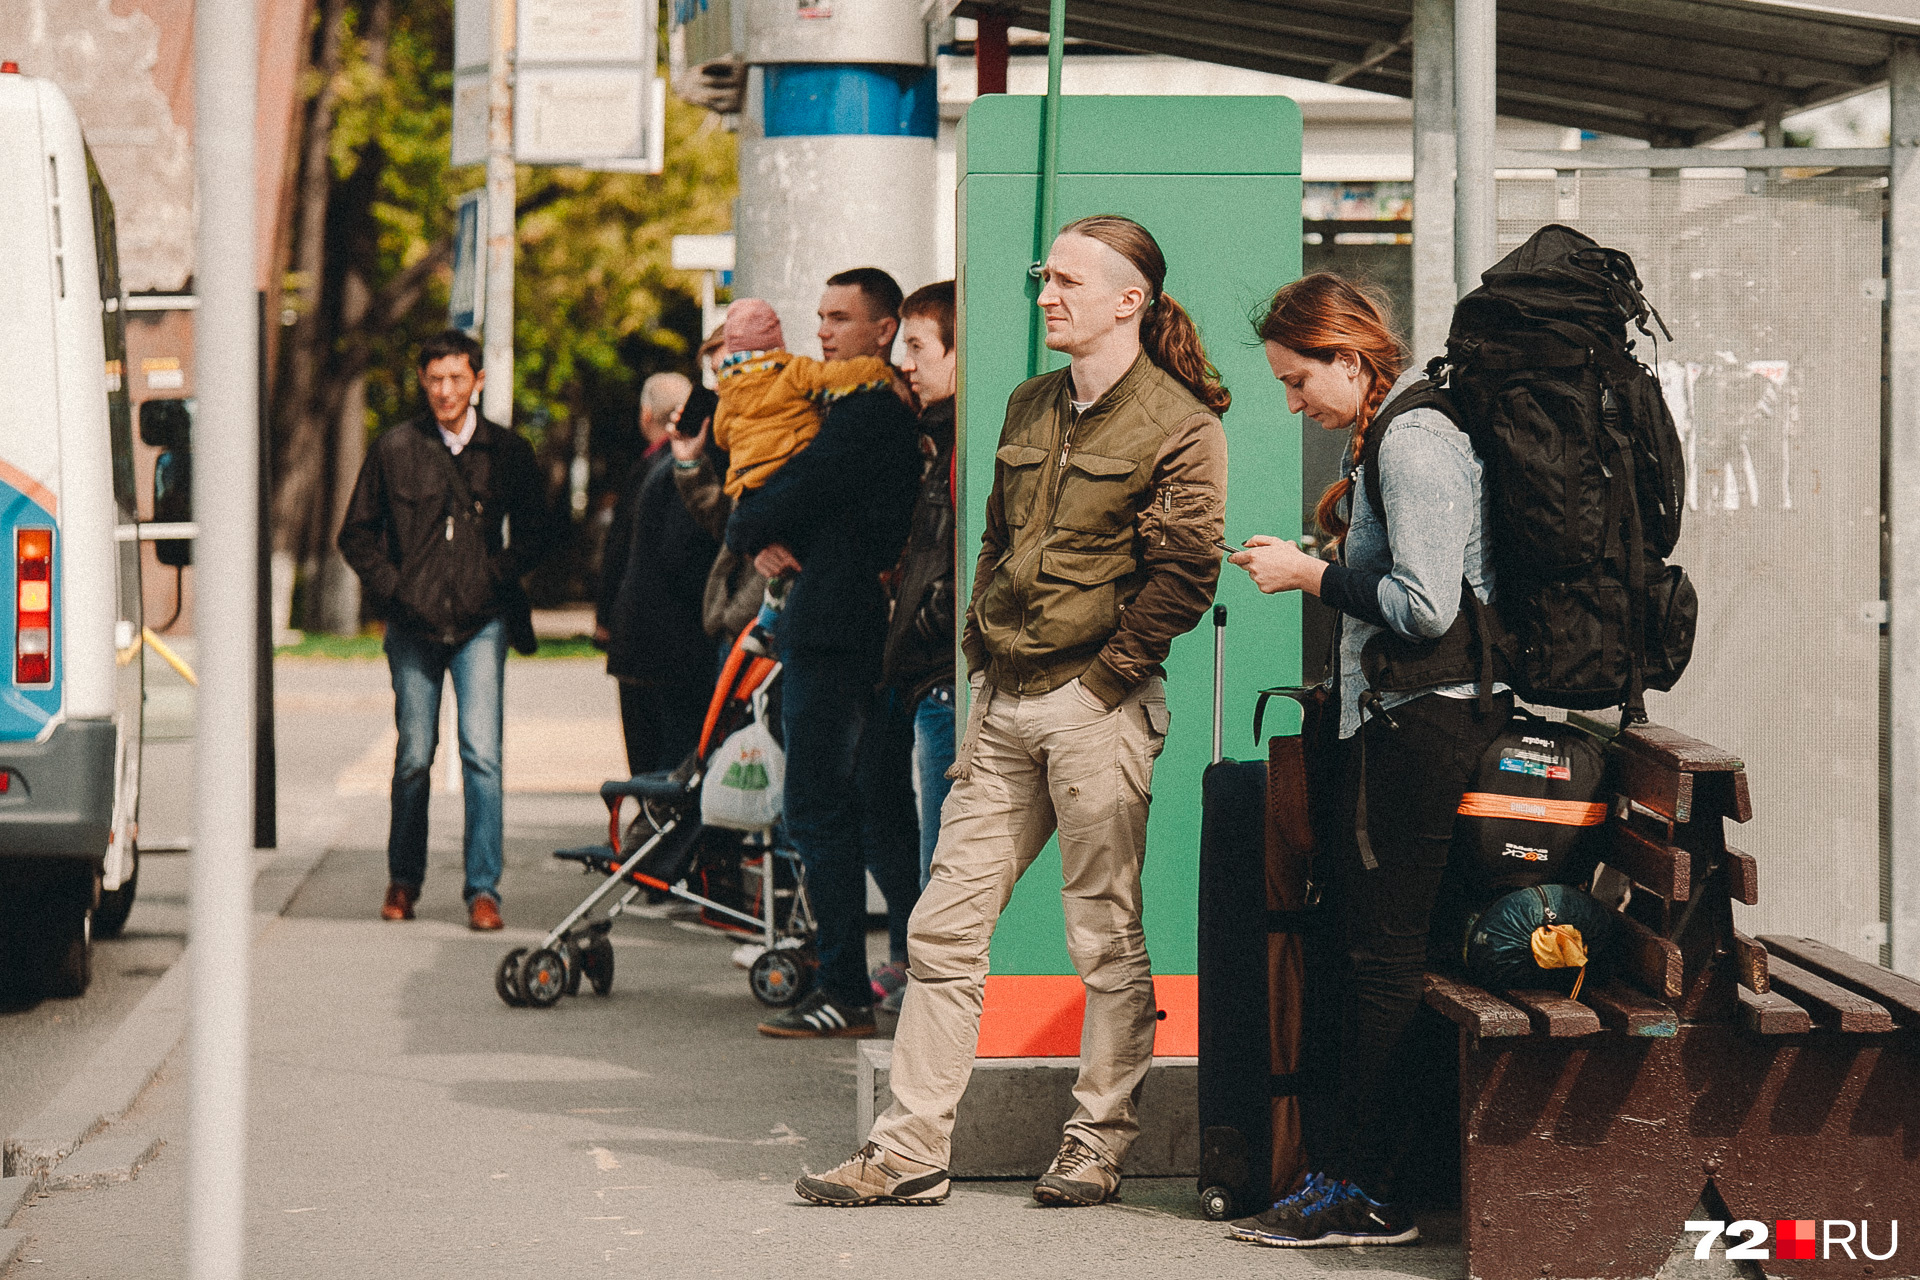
x,y
399,903
483,913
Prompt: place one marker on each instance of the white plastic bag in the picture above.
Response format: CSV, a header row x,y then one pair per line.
x,y
746,779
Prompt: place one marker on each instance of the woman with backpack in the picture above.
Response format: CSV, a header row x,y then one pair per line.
x,y
1412,708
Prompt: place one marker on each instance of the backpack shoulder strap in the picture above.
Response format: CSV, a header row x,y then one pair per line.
x,y
1421,395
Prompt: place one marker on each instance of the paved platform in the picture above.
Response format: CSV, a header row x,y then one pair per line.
x,y
404,1122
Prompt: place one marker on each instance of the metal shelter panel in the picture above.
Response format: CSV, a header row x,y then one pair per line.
x,y
1676,72
1216,181
1774,299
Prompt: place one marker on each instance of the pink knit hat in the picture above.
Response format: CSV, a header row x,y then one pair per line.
x,y
752,325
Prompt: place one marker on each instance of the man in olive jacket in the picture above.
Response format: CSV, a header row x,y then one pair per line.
x,y
445,517
1099,548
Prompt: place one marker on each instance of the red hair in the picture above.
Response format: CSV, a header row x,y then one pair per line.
x,y
1323,317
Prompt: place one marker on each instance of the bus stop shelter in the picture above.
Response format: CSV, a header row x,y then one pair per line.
x,y
1791,279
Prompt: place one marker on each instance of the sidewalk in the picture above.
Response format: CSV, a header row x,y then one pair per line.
x,y
405,1122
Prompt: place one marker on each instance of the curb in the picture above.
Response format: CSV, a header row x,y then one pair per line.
x,y
107,1085
117,1158
14,1194
120,1070
12,1245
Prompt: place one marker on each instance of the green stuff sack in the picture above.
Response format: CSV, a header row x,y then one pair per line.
x,y
1555,923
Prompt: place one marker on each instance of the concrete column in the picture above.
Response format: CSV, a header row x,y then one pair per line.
x,y
1903,495
1475,234
1433,280
837,166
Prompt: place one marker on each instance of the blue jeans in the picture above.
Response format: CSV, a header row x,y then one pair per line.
x,y
889,822
826,698
418,664
933,749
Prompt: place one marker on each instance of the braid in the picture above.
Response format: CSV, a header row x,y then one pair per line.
x,y
1322,317
1326,513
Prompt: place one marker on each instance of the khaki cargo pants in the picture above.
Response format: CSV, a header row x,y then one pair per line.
x,y
1029,766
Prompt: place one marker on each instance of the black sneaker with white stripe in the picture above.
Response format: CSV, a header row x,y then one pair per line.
x,y
1342,1214
817,1016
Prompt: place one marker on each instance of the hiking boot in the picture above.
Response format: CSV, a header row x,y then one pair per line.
x,y
1078,1176
817,1016
1343,1214
875,1175
1284,1211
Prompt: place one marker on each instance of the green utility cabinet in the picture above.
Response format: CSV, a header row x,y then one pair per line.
x,y
1217,182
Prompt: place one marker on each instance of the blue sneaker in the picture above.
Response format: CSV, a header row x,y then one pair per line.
x,y
1316,1185
1342,1215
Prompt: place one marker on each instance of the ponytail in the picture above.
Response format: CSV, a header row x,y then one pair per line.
x,y
1323,316
1167,332
1172,342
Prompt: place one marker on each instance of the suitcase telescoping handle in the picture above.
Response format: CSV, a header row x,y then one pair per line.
x,y
1219,679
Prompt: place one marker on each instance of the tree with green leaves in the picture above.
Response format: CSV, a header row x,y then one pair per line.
x,y
368,243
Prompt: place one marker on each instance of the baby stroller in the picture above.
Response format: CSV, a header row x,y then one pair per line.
x,y
666,850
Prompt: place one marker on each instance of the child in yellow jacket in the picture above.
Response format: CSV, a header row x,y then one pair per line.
x,y
772,401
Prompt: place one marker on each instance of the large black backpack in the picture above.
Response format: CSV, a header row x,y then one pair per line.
x,y
1583,470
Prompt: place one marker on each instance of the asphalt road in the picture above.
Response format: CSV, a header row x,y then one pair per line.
x,y
43,1042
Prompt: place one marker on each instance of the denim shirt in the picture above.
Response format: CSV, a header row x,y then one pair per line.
x,y
1430,486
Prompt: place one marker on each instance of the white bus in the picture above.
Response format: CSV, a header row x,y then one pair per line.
x,y
70,624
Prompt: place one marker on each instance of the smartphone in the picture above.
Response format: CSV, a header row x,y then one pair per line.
x,y
699,407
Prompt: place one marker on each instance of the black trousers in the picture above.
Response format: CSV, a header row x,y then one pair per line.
x,y
661,722
1387,869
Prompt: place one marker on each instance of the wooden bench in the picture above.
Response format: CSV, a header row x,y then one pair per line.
x,y
1778,1077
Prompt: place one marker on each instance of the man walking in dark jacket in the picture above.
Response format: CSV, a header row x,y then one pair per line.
x,y
836,515
445,518
652,577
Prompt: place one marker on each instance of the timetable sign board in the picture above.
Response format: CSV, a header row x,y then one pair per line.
x,y
590,31
577,114
583,83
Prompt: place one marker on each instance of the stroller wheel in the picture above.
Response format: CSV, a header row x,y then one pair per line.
x,y
575,954
780,977
506,979
598,963
543,978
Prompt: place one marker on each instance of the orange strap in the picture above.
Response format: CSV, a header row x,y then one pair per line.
x,y
1565,813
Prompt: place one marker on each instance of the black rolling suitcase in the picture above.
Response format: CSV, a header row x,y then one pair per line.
x,y
1255,900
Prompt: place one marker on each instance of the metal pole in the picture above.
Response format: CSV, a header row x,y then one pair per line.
x,y
496,401
1219,681
1433,279
225,496
1475,233
1049,168
1903,498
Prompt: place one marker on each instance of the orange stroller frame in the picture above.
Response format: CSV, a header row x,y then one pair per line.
x,y
664,843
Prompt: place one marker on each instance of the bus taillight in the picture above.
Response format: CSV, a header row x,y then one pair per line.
x,y
33,606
